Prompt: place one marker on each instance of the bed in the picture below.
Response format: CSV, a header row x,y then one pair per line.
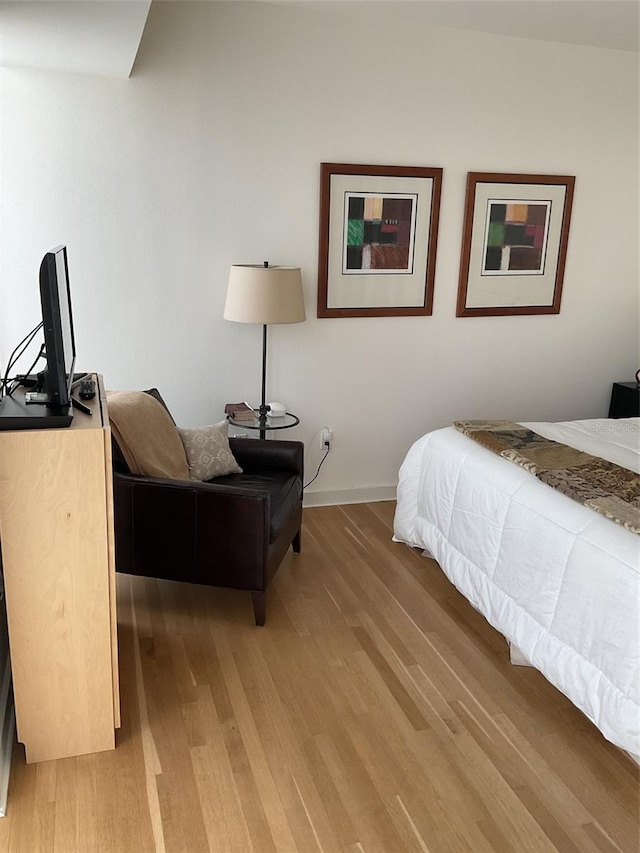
x,y
558,580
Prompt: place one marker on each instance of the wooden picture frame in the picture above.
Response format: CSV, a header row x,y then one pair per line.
x,y
378,240
514,244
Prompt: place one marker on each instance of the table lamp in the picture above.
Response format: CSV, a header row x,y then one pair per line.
x,y
264,294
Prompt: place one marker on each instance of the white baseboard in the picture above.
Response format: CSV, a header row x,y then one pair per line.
x,y
6,750
350,496
7,732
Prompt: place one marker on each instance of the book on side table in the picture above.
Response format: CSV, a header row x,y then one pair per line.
x,y
239,412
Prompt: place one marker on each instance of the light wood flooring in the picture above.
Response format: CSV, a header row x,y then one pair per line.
x,y
376,712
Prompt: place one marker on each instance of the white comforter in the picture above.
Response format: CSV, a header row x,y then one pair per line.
x,y
561,582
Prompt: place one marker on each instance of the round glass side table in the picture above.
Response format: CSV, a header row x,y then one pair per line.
x,y
285,421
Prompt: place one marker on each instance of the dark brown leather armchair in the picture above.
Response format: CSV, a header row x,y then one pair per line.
x,y
231,531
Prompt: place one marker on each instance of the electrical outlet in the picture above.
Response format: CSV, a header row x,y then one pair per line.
x,y
326,438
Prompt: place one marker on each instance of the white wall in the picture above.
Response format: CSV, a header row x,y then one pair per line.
x,y
209,155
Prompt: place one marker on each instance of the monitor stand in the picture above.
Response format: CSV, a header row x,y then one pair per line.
x,y
16,414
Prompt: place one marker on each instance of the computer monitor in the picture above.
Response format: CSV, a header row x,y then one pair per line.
x,y
57,319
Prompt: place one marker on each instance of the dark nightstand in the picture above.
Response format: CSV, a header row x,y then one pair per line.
x,y
625,400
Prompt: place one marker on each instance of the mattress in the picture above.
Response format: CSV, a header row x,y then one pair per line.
x,y
561,582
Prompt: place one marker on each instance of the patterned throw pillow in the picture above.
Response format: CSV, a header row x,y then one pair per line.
x,y
208,451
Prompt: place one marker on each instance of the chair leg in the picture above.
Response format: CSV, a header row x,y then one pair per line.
x,y
296,543
259,607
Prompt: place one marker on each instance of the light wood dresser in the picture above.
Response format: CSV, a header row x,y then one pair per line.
x,y
56,534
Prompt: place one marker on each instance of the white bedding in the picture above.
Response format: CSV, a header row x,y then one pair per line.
x,y
561,582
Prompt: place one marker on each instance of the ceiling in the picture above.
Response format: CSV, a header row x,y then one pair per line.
x,y
611,24
85,36
102,36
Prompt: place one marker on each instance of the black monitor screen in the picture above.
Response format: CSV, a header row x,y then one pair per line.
x,y
57,319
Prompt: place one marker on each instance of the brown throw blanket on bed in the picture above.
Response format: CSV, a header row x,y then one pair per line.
x,y
607,488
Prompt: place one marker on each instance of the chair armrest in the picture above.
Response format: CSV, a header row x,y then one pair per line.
x,y
255,455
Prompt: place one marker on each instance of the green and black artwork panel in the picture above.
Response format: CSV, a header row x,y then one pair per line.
x,y
379,232
516,236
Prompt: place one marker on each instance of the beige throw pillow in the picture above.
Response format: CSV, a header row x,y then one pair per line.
x,y
208,451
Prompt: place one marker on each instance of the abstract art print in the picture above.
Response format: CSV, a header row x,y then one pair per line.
x,y
378,235
514,244
515,237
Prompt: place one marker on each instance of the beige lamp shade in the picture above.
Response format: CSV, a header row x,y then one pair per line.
x,y
264,294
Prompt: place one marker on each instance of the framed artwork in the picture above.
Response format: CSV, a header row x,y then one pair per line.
x,y
514,244
378,237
